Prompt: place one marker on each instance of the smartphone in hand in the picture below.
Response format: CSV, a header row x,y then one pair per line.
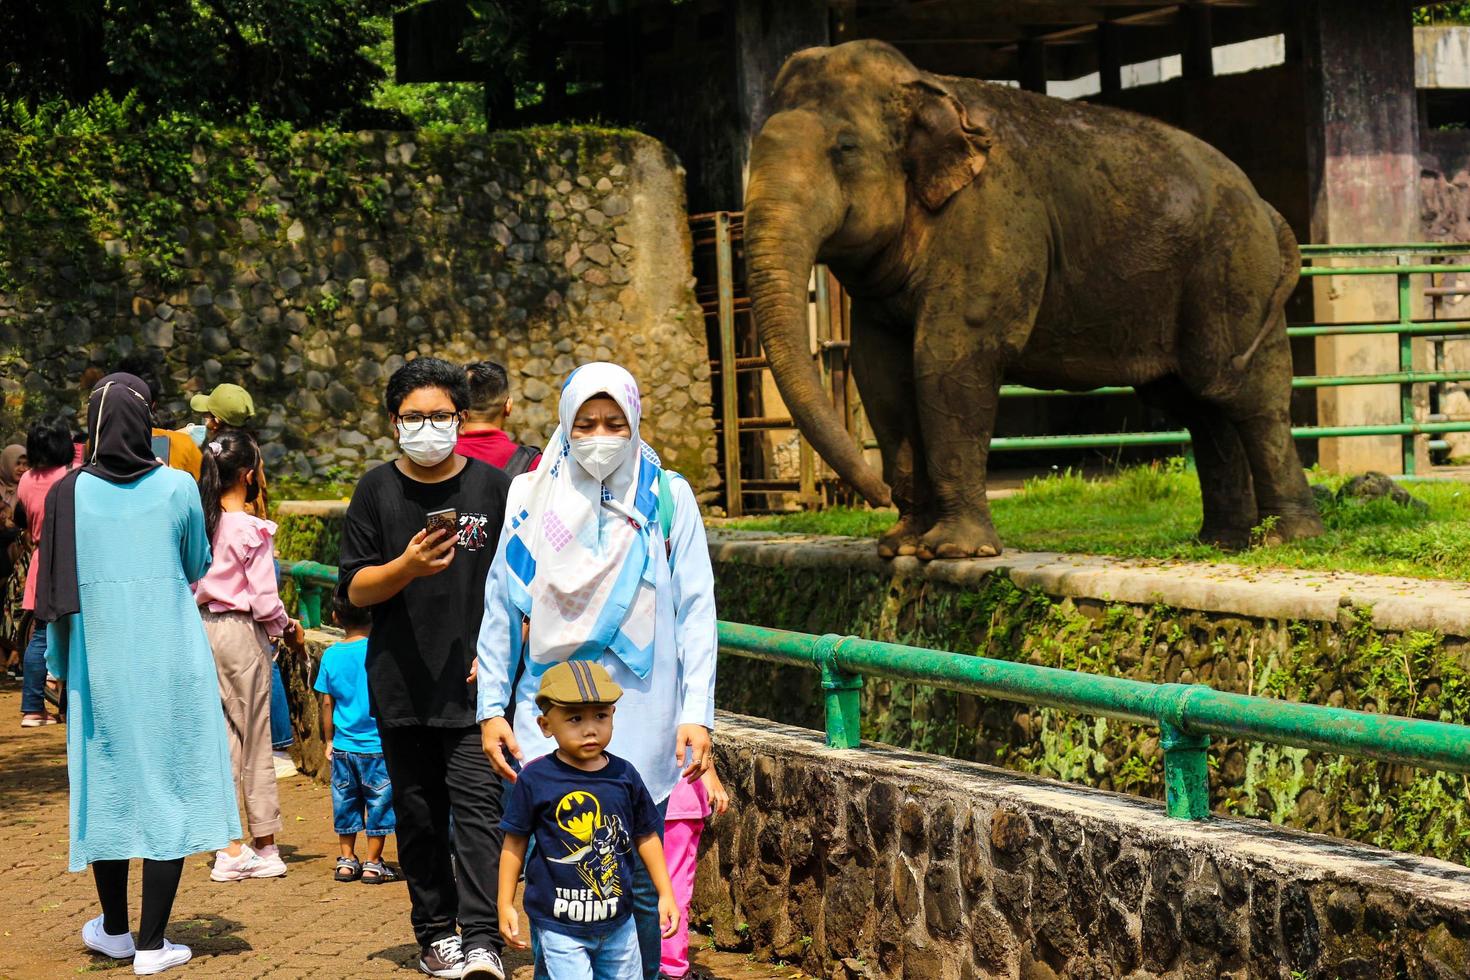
x,y
442,520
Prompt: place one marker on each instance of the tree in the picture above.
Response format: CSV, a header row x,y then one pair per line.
x,y
301,61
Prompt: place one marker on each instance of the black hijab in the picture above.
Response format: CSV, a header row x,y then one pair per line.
x,y
120,451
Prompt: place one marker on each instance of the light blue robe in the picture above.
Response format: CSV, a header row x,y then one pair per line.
x,y
146,751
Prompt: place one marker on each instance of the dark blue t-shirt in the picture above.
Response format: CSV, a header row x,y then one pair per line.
x,y
579,876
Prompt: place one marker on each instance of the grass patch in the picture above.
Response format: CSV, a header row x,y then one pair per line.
x,y
1153,511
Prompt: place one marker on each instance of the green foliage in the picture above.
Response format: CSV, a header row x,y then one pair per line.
x,y
1442,13
1153,511
303,61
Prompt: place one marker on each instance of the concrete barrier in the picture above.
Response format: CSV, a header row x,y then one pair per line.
x,y
884,863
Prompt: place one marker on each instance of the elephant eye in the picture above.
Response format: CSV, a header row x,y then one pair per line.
x,y
846,144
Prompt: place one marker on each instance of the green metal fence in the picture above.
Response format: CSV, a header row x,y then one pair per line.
x,y
1408,261
1186,714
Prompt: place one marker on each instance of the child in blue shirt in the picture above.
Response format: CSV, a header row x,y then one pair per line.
x,y
360,783
587,811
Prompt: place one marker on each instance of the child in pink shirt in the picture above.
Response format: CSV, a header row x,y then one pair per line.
x,y
689,805
242,612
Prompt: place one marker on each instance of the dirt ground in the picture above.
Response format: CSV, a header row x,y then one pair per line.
x,y
302,925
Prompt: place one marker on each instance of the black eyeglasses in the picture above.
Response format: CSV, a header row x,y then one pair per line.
x,y
413,422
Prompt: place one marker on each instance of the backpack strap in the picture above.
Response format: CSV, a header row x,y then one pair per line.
x,y
520,461
666,509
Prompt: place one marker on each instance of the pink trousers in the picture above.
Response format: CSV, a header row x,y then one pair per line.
x,y
681,851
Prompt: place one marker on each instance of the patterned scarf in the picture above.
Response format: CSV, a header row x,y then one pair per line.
x,y
581,552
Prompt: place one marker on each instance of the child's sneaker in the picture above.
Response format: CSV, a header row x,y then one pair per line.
x,y
249,863
442,958
147,961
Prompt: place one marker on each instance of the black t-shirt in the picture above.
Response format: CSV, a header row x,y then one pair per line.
x,y
579,875
423,639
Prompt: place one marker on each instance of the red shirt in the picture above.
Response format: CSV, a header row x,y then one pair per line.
x,y
492,446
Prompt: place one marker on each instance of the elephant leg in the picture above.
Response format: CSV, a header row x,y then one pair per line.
x,y
1219,458
957,372
882,366
1281,486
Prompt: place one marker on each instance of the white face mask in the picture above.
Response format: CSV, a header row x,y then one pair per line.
x,y
600,455
428,446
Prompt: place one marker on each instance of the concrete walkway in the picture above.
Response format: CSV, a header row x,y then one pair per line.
x,y
1266,593
302,925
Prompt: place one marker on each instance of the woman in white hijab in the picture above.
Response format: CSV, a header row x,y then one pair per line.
x,y
603,557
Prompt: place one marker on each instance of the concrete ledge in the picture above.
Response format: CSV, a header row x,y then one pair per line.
x,y
884,863
311,508
1276,594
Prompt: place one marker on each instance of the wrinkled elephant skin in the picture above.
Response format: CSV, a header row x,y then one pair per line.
x,y
985,233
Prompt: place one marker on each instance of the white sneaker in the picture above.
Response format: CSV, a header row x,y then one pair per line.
x,y
285,767
147,961
98,940
265,863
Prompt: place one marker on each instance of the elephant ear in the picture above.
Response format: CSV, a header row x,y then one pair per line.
x,y
946,149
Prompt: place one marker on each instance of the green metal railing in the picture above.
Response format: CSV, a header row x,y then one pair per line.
x,y
1186,714
1404,327
312,581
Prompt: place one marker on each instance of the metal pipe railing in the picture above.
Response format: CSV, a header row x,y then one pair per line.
x,y
1186,714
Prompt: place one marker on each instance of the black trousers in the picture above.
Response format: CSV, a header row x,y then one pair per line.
x,y
160,885
436,771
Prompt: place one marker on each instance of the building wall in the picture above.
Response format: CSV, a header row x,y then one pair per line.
x,y
540,249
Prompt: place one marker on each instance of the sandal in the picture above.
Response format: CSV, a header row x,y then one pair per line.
x,y
380,872
348,869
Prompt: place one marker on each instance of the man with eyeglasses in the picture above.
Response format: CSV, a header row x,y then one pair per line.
x,y
417,545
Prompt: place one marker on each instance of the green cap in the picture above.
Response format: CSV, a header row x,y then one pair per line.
x,y
231,404
577,682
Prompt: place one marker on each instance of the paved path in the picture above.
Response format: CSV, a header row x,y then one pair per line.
x,y
302,925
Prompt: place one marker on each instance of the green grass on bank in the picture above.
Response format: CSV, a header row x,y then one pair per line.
x,y
1153,511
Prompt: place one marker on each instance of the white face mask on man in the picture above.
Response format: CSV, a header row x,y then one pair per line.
x,y
600,455
428,446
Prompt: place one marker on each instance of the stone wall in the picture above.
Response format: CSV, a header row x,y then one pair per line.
x,y
308,272
1362,642
880,863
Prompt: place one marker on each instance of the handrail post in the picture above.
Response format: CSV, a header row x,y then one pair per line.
x,y
1405,340
842,693
1186,757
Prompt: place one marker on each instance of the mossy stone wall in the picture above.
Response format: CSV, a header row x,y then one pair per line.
x,y
1346,663
309,266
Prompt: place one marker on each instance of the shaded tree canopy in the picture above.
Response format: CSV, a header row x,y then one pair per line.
x,y
301,61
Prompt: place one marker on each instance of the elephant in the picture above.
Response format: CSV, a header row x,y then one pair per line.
x,y
984,233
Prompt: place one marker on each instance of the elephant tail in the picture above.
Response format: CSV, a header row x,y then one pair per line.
x,y
1291,264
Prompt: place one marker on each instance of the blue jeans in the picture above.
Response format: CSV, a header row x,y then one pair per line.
x,y
280,711
33,682
360,785
645,916
611,956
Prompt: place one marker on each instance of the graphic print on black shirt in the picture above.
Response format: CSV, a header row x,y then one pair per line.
x,y
585,824
422,640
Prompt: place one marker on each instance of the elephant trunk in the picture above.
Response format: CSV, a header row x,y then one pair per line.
x,y
780,247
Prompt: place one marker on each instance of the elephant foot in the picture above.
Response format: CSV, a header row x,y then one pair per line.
x,y
1291,527
903,537
960,537
1225,538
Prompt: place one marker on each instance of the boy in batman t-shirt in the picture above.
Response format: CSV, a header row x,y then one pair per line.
x,y
587,811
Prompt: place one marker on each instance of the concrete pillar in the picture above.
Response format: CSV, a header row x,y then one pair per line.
x,y
1363,170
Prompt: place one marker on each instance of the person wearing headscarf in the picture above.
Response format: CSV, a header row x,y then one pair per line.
x,y
123,539
603,557
12,466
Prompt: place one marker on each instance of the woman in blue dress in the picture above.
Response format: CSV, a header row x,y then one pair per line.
x,y
147,757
